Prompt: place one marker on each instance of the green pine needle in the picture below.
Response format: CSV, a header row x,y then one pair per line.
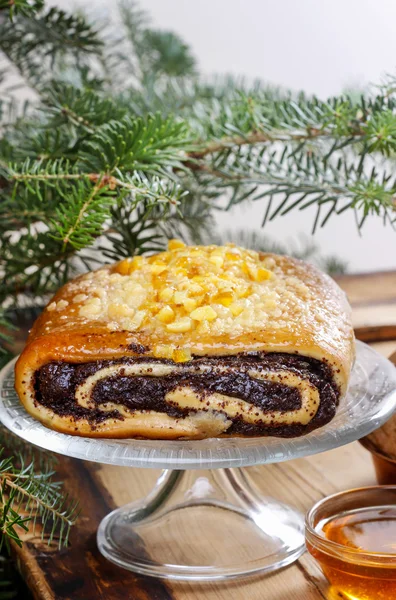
x,y
28,497
21,7
152,145
35,43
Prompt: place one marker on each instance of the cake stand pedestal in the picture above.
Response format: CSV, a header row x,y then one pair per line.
x,y
205,510
167,533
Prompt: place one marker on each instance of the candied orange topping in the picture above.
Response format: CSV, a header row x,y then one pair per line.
x,y
210,290
186,284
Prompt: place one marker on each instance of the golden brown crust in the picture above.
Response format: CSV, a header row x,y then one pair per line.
x,y
279,304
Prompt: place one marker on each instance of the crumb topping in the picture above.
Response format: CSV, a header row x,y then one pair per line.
x,y
206,290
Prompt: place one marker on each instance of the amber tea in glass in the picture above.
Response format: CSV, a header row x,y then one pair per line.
x,y
353,537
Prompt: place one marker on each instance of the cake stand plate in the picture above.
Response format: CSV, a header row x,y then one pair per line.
x,y
205,518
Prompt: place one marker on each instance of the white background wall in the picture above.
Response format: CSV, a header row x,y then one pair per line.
x,y
321,46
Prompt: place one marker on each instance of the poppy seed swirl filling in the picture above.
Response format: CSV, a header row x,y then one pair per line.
x,y
254,394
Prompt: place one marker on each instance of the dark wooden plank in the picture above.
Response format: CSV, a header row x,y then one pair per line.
x,y
79,572
370,334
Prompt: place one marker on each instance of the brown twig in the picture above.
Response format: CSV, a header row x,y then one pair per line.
x,y
76,119
228,142
80,215
259,137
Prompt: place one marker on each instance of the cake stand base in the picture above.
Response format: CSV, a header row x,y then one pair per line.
x,y
202,525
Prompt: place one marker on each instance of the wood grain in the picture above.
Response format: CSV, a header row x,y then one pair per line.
x,y
373,298
80,573
367,289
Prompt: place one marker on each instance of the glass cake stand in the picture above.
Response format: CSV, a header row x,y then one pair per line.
x,y
205,518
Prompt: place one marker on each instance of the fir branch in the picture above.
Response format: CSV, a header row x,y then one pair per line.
x,y
34,264
53,174
380,132
165,52
83,108
40,143
226,142
39,496
145,226
134,231
22,7
250,119
43,460
156,52
80,220
34,43
193,220
301,180
75,208
192,98
134,19
48,33
151,145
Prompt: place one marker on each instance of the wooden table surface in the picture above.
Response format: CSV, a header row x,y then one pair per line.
x,y
80,573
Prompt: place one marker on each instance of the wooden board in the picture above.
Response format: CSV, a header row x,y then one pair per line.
x,y
373,297
80,573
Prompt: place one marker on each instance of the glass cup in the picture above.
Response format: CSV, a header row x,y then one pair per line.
x,y
356,571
